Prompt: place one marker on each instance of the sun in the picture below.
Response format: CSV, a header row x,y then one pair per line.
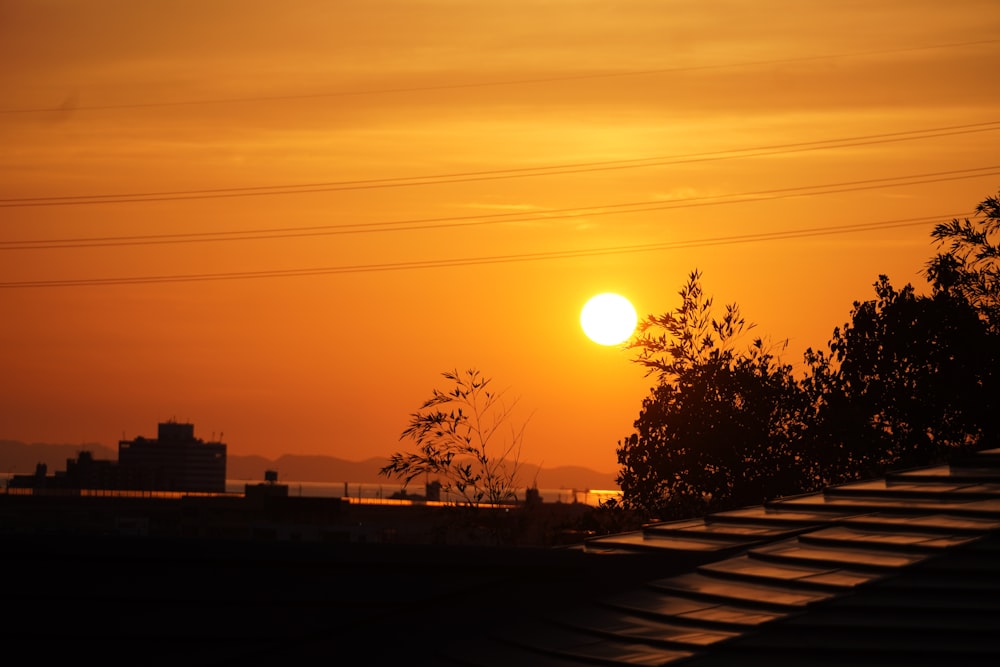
x,y
608,319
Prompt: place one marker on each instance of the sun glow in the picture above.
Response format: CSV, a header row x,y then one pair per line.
x,y
608,319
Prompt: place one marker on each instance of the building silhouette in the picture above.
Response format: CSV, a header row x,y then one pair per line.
x,y
175,460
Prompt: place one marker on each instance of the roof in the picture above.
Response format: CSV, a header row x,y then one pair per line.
x,y
903,570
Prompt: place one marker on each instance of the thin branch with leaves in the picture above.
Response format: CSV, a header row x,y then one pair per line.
x,y
460,437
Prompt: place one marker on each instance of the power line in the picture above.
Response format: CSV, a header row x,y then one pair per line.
x,y
498,218
495,84
497,174
471,261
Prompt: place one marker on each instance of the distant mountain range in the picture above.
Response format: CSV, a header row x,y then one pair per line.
x,y
22,458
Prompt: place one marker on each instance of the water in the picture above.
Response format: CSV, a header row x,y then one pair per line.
x,y
369,492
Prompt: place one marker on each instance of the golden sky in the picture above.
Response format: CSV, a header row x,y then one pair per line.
x,y
283,221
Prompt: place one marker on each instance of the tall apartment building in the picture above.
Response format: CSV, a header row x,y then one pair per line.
x,y
174,461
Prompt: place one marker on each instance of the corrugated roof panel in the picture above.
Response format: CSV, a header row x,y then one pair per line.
x,y
931,472
656,603
812,576
904,541
574,644
645,541
776,513
718,530
602,620
795,552
866,505
727,614
948,523
938,490
677,608
728,590
841,578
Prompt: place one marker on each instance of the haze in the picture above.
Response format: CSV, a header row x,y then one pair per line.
x,y
285,220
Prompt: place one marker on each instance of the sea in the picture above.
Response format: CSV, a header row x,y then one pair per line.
x,y
368,492
375,493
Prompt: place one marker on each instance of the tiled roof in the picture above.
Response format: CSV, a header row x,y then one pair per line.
x,y
903,570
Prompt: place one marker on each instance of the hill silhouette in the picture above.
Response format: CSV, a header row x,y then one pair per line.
x,y
21,458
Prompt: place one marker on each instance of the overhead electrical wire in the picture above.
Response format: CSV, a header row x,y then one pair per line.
x,y
470,261
495,84
498,218
406,225
497,174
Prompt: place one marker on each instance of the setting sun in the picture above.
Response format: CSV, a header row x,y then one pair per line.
x,y
608,319
295,251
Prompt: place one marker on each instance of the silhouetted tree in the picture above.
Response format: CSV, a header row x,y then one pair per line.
x,y
722,428
970,267
910,381
914,380
464,436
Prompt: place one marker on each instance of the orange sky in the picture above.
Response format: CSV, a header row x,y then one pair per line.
x,y
349,141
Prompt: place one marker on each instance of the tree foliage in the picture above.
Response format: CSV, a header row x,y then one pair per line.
x,y
720,428
969,269
911,380
914,380
466,437
908,382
